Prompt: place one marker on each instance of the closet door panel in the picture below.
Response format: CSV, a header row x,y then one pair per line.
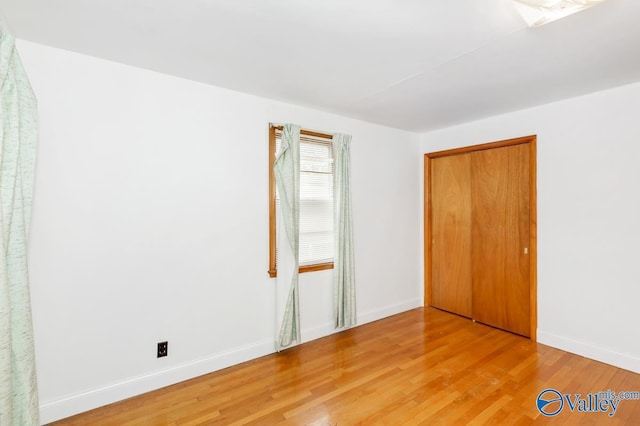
x,y
500,228
451,234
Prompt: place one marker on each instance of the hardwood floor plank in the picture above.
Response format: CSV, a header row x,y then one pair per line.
x,y
423,366
488,413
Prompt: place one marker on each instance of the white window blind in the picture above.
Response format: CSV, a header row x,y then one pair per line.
x,y
316,199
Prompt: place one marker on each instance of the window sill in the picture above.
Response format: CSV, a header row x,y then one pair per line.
x,y
306,268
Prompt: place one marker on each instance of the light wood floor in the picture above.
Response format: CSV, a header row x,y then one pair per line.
x,y
419,367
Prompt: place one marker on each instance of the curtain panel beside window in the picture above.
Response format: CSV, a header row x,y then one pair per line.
x,y
344,291
18,136
287,172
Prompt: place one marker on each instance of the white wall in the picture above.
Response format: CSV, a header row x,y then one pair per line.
x,y
588,217
150,223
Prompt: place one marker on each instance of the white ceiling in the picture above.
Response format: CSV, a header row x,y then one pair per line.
x,y
411,64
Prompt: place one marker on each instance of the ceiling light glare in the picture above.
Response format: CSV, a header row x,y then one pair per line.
x,y
540,12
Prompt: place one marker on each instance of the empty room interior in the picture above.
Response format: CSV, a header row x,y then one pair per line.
x,y
336,212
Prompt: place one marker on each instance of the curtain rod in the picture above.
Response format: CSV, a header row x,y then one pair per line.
x,y
305,132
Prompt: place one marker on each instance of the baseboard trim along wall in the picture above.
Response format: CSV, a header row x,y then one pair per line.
x,y
608,356
74,404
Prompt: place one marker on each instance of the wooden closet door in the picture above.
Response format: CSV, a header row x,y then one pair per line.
x,y
500,216
451,234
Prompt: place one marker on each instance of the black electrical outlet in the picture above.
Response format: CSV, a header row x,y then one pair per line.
x,y
163,349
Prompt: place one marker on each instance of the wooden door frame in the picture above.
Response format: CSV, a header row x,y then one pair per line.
x,y
533,236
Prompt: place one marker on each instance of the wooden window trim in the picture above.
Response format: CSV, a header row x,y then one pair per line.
x,y
273,271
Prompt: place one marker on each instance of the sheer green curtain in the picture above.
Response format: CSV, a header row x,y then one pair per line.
x,y
18,109
287,171
344,291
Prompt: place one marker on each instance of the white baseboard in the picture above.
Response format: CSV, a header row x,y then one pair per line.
x,y
387,311
64,407
370,316
68,406
606,355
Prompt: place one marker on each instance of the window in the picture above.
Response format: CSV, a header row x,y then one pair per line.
x,y
316,200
